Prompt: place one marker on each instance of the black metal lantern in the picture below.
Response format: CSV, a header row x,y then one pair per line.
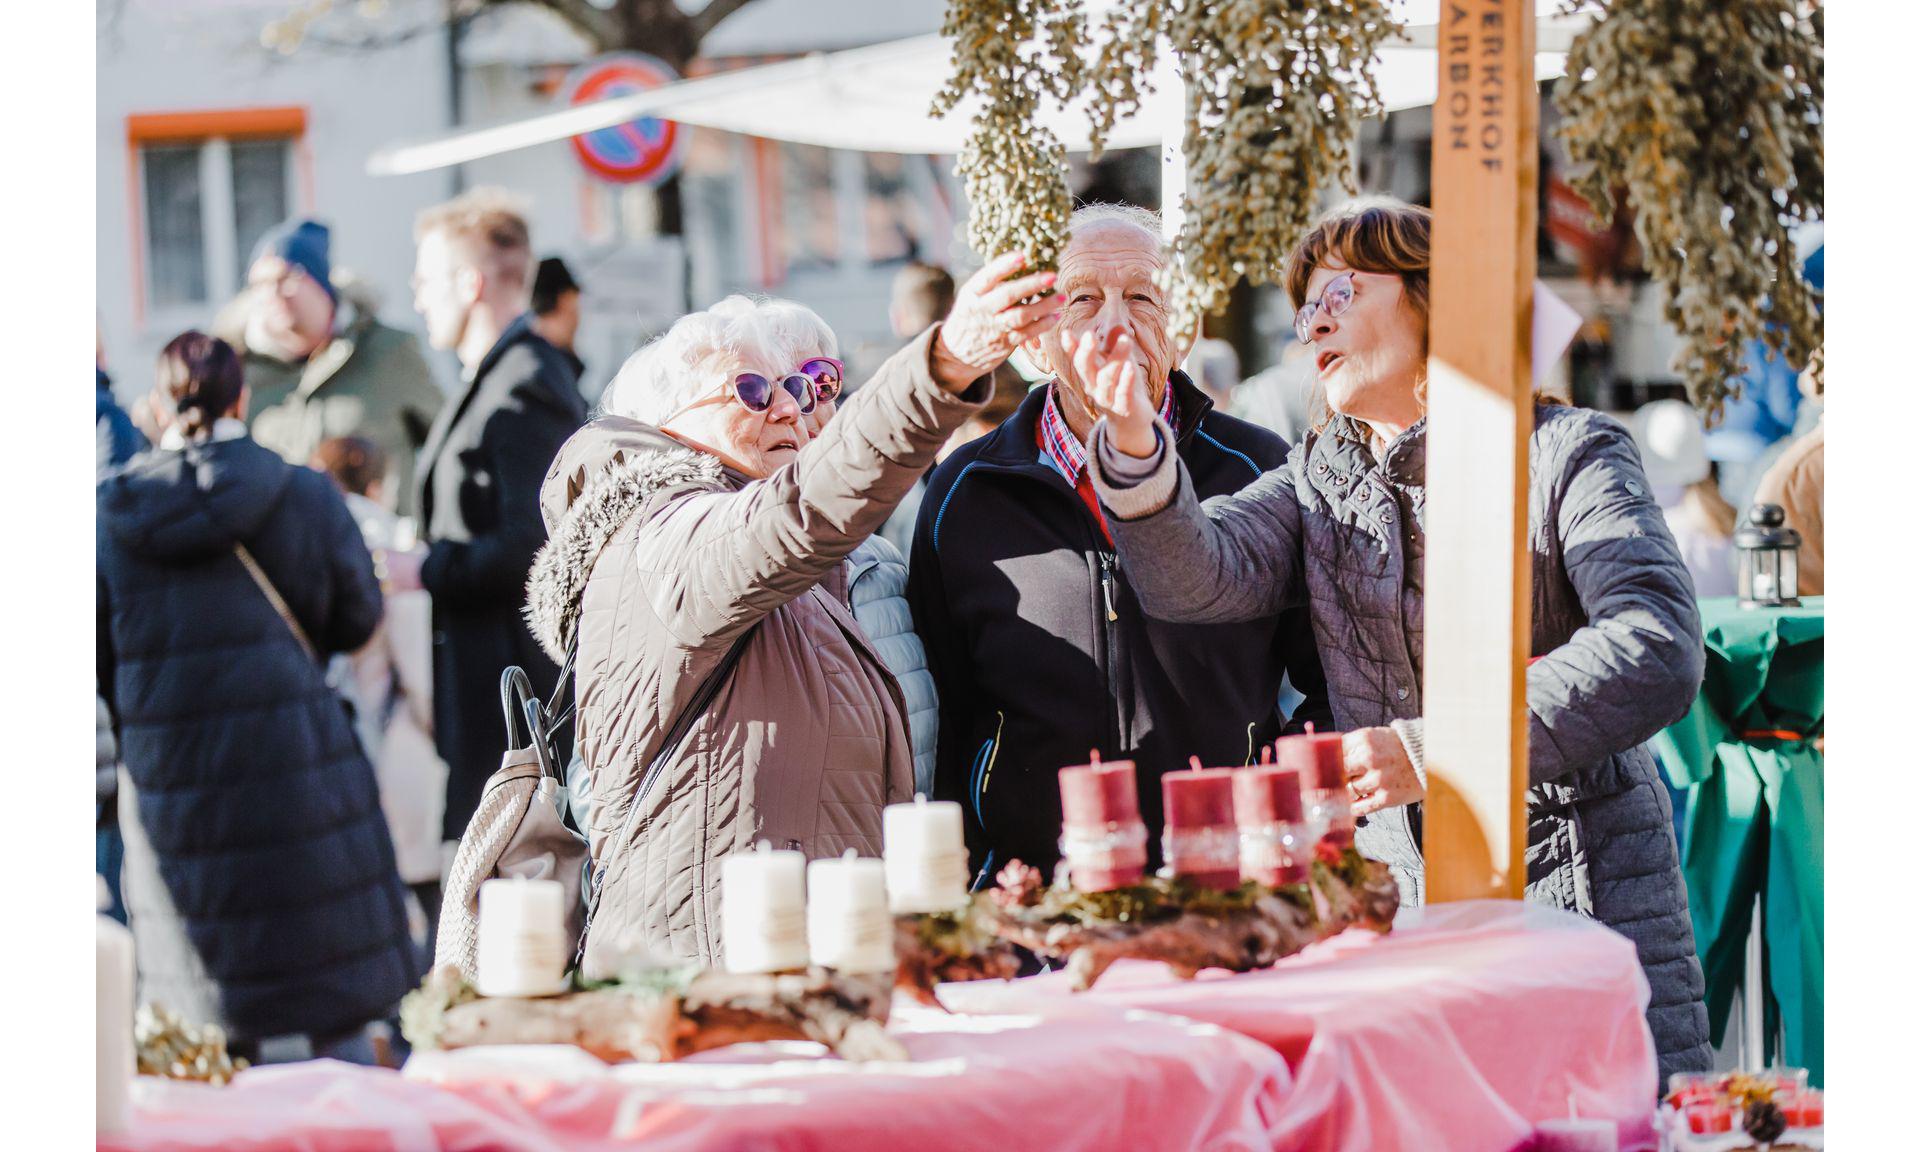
x,y
1769,559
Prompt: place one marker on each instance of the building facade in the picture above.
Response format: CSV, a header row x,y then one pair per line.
x,y
207,137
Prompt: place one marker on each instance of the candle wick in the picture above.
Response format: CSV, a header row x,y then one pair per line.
x,y
1093,756
919,797
1310,731
1195,761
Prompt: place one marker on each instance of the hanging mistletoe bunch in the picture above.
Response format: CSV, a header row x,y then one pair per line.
x,y
1274,94
1709,113
1015,54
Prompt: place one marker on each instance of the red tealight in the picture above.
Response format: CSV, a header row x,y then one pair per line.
x,y
1806,1108
1103,842
1709,1117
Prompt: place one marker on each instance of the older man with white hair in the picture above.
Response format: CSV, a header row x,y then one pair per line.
x,y
1038,645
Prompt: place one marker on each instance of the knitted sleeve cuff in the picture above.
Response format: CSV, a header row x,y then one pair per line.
x,y
1130,487
1412,735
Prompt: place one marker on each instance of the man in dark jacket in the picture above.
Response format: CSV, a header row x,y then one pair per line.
x,y
1039,648
479,477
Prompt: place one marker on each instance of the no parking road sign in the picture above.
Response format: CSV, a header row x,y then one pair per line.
x,y
644,151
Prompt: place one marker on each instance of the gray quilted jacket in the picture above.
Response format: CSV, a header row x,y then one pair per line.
x,y
877,589
1614,623
660,560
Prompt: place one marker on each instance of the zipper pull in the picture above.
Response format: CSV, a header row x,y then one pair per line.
x,y
1106,585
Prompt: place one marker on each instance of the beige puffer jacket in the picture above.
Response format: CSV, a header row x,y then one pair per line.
x,y
663,559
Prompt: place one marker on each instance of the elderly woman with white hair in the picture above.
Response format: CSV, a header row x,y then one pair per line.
x,y
696,566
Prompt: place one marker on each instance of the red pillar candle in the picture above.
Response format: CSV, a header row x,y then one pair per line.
x,y
1273,841
1323,781
1103,843
1200,841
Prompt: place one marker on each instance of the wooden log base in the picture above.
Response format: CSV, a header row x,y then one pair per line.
x,y
847,1013
1191,929
945,947
664,1019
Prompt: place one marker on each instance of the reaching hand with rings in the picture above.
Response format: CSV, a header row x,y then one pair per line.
x,y
988,320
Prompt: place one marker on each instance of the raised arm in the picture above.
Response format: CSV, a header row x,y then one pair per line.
x,y
1238,558
721,561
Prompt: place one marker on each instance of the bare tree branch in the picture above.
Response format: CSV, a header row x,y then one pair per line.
x,y
593,23
372,41
707,18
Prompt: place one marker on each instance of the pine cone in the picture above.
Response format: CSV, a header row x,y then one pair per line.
x,y
1765,1122
1019,885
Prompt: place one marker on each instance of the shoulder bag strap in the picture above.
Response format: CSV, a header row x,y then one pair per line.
x,y
676,735
273,597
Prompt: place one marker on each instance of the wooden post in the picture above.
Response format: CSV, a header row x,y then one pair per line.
x,y
1480,415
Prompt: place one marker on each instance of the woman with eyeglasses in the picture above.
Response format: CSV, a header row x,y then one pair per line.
x,y
1616,633
696,567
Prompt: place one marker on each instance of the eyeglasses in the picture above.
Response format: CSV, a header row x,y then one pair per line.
x,y
282,283
817,381
755,392
826,374
1335,298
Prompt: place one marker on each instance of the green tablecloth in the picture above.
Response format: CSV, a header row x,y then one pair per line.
x,y
1755,813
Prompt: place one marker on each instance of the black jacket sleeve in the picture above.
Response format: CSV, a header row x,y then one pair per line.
x,y
518,442
952,674
356,606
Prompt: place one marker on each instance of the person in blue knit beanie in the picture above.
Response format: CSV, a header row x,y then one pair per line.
x,y
320,365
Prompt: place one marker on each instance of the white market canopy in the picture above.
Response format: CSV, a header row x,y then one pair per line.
x,y
877,99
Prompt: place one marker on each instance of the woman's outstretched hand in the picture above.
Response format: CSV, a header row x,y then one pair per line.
x,y
988,321
1379,774
1117,390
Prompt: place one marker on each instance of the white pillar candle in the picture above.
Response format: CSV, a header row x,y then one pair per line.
x,y
926,856
763,910
849,927
523,948
1577,1134
113,1064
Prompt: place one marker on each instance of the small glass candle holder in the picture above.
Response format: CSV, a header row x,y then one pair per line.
x,y
1275,854
1804,1107
1708,1116
1684,1088
1330,812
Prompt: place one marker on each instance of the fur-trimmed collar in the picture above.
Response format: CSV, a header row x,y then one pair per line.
x,y
622,487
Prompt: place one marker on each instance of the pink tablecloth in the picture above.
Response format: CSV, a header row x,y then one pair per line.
x,y
1455,1033
1100,1079
1474,1020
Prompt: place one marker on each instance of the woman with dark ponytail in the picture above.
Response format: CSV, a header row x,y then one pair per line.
x,y
259,878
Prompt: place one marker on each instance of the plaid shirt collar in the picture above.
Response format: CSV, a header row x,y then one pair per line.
x,y
1065,451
